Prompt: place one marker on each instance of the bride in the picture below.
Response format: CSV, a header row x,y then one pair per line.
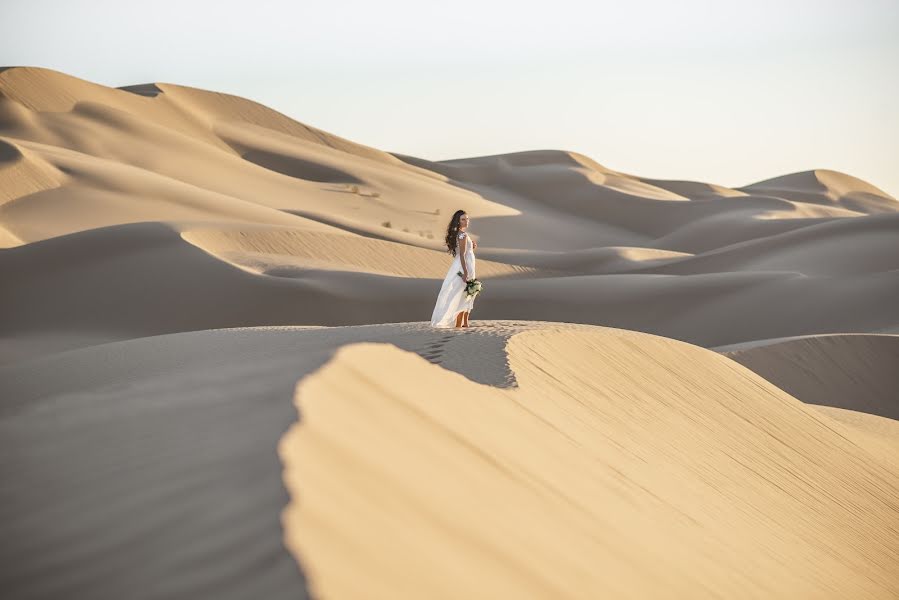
x,y
453,306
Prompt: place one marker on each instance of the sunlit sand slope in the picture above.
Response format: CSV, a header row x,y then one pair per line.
x,y
624,465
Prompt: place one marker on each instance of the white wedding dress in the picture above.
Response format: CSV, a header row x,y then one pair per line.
x,y
452,298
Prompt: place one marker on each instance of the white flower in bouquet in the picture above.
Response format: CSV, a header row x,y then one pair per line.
x,y
472,286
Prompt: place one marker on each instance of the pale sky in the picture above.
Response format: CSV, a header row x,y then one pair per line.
x,y
715,91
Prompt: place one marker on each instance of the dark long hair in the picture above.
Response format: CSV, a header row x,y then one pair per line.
x,y
452,232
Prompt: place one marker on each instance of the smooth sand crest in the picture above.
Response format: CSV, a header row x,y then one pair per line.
x,y
683,481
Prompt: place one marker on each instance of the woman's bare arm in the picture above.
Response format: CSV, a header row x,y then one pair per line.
x,y
462,258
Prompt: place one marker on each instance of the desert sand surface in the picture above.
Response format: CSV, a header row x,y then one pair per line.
x,y
218,378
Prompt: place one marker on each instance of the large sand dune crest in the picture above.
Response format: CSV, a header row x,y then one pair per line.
x,y
627,468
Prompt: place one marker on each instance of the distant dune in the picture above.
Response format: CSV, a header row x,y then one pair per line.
x,y
185,270
850,371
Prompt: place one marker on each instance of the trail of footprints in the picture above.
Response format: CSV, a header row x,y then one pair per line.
x,y
461,353
434,351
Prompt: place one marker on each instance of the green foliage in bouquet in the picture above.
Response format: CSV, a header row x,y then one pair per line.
x,y
472,286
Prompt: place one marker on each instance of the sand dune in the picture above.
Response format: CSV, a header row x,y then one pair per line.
x,y
300,250
827,187
673,479
23,173
328,228
608,259
180,266
205,145
854,372
146,279
627,469
881,429
843,246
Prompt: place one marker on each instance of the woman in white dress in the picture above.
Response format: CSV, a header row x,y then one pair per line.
x,y
453,306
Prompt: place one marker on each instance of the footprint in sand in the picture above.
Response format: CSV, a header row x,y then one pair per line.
x,y
434,351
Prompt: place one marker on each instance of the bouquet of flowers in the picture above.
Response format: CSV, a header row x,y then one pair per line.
x,y
472,286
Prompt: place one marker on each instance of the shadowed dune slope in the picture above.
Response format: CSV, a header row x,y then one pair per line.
x,y
842,246
853,372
